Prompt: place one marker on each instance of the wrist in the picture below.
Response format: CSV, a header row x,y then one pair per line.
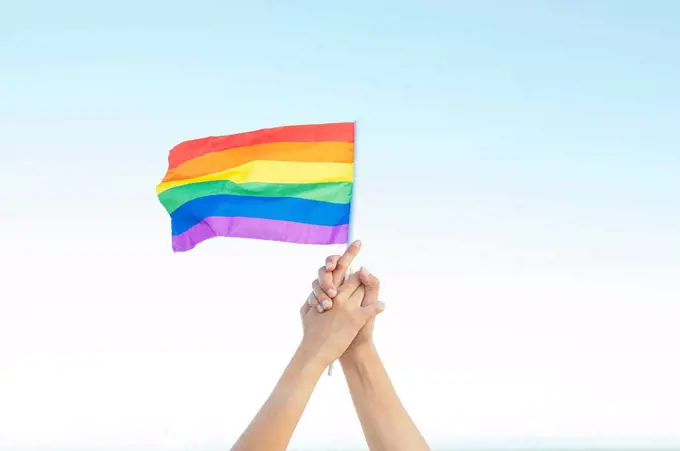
x,y
358,353
311,358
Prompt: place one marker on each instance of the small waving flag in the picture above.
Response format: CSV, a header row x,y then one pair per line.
x,y
290,184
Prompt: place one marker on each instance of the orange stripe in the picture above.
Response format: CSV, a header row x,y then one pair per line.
x,y
311,152
188,150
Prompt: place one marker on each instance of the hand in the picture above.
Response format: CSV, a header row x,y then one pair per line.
x,y
330,276
327,335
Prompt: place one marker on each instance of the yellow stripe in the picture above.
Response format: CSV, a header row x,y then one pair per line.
x,y
274,172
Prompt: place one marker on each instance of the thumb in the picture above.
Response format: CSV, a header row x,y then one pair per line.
x,y
371,310
371,285
343,263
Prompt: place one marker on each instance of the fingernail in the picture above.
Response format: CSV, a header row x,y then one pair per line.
x,y
357,243
319,309
329,266
365,271
381,306
326,304
332,292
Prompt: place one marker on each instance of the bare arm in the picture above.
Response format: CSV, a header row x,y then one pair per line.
x,y
384,420
325,338
273,426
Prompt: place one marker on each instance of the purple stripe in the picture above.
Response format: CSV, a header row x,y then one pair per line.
x,y
259,229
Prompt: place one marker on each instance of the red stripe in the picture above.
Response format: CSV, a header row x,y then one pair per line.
x,y
188,150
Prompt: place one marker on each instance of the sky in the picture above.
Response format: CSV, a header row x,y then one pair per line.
x,y
517,193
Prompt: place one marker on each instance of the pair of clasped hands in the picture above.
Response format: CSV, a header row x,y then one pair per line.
x,y
339,315
337,320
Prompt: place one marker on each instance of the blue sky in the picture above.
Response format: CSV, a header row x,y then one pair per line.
x,y
519,158
571,99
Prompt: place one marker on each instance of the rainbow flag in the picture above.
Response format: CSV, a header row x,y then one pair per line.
x,y
290,184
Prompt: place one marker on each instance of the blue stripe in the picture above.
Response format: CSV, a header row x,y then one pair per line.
x,y
280,208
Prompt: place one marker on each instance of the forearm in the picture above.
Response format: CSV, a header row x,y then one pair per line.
x,y
384,420
274,424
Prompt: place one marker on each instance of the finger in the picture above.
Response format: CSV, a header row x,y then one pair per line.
x,y
326,282
313,303
356,299
312,300
320,297
332,262
372,285
370,311
345,261
306,307
348,288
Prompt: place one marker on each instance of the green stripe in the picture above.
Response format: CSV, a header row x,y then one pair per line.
x,y
336,192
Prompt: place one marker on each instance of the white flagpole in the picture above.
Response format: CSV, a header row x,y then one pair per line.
x,y
352,207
